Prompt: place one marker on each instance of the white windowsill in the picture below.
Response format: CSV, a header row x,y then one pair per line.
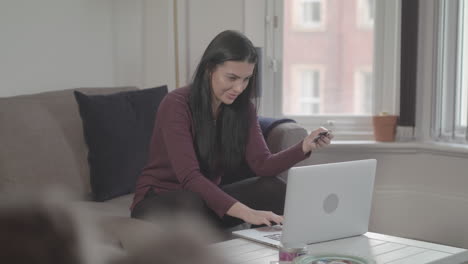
x,y
447,149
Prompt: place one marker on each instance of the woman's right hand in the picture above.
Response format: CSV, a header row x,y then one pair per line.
x,y
315,141
255,217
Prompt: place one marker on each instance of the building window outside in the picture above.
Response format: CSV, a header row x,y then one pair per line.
x,y
365,13
308,14
311,13
309,99
304,97
364,90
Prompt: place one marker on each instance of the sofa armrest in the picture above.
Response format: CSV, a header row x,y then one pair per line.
x,y
283,136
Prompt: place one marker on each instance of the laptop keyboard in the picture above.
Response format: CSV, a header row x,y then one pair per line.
x,y
276,237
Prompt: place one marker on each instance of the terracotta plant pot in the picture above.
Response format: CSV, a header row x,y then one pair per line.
x,y
384,127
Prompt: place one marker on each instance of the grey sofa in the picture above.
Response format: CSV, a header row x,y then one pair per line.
x,y
42,144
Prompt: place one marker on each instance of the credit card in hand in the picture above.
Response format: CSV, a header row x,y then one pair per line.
x,y
321,134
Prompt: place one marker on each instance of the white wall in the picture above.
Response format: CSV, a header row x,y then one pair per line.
x,y
201,20
126,42
158,43
54,44
58,44
143,43
199,23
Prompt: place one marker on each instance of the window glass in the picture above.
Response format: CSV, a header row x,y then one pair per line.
x,y
341,49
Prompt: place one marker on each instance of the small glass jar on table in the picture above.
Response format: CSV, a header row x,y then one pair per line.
x,y
290,251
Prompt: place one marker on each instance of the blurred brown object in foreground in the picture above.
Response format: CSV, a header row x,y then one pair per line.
x,y
181,238
40,227
33,232
43,229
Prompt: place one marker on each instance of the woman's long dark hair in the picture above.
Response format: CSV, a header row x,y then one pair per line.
x,y
221,143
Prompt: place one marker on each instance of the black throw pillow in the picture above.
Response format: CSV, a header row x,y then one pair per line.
x,y
117,129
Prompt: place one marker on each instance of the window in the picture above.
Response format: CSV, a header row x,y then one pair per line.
x,y
363,91
340,48
308,14
347,96
310,92
450,119
365,13
307,81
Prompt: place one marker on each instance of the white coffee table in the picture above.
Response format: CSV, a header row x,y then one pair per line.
x,y
381,248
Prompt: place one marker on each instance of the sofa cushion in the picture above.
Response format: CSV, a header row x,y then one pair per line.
x,y
268,123
115,207
283,136
34,152
117,130
42,141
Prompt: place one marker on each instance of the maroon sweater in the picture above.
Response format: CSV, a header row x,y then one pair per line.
x,y
173,165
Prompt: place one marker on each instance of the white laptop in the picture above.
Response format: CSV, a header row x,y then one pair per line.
x,y
323,202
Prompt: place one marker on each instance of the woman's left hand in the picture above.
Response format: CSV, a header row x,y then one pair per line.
x,y
315,140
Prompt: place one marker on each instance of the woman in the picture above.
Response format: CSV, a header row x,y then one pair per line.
x,y
208,132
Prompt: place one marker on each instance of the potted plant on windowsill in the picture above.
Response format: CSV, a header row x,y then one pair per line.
x,y
384,127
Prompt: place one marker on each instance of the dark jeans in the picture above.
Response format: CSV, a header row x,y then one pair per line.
x,y
260,193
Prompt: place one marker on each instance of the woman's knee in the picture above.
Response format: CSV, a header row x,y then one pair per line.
x,y
271,185
168,203
190,201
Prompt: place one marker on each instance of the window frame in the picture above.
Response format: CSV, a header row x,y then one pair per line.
x,y
386,73
448,74
462,79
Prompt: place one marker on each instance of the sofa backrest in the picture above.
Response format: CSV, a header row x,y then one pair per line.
x,y
42,142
